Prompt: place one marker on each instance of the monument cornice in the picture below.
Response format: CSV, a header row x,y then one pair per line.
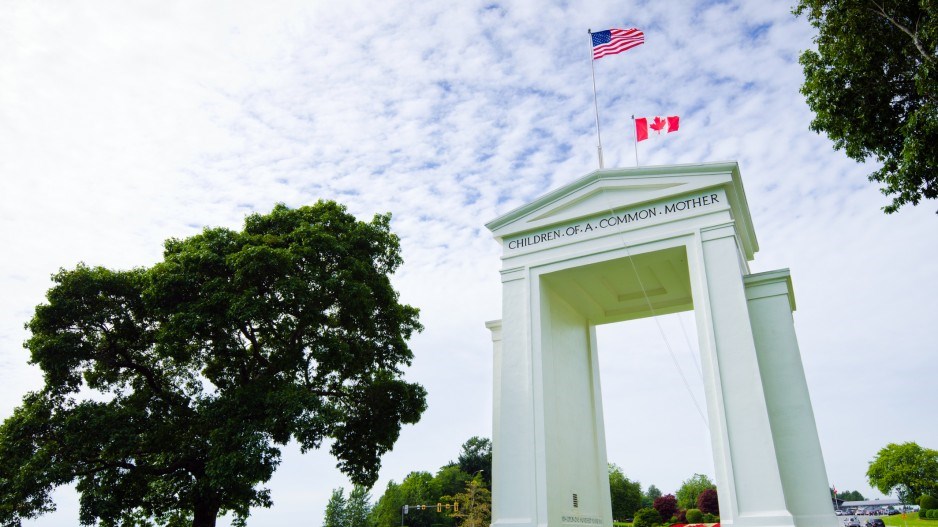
x,y
635,186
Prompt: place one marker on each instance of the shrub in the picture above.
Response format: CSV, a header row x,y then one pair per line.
x,y
708,502
710,518
922,513
694,516
646,518
666,506
681,516
927,502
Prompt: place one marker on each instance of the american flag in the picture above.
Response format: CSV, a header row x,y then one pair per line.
x,y
612,41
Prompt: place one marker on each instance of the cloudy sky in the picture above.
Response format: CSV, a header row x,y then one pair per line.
x,y
123,124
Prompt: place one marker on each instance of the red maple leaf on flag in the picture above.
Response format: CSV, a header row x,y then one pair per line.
x,y
658,124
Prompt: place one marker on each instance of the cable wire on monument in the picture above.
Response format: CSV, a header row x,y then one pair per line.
x,y
654,315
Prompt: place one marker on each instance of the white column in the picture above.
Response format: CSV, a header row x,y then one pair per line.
x,y
804,478
748,477
513,454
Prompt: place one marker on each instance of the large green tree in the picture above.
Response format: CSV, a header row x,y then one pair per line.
x,y
335,515
907,468
475,505
625,494
450,480
358,508
169,389
353,511
691,489
649,496
873,86
417,489
476,458
420,488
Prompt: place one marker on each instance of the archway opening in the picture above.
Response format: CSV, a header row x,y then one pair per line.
x,y
652,391
654,407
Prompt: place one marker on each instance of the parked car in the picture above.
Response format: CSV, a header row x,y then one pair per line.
x,y
875,522
852,521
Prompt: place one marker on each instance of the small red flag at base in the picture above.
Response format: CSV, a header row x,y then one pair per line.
x,y
668,125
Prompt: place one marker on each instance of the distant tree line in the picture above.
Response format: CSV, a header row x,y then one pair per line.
x,y
849,495
459,495
461,488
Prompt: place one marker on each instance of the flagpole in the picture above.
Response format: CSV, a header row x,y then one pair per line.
x,y
599,139
635,136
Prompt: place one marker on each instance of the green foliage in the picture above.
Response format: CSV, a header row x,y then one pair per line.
x,y
907,468
873,86
476,457
335,510
691,488
450,480
475,505
649,496
626,494
928,502
692,515
387,511
646,517
851,495
169,389
358,508
710,518
922,513
930,513
449,483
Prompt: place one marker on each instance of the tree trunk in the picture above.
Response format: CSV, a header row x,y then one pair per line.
x,y
205,515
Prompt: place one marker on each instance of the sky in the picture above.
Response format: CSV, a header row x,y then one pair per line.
x,y
123,124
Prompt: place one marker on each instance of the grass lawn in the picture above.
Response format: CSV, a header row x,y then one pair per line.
x,y
911,520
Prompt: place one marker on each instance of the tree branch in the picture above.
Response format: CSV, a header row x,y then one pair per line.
x,y
248,332
881,11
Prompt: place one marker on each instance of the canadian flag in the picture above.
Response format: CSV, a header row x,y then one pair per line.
x,y
642,125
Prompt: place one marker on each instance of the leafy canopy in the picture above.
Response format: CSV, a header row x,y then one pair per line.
x,y
691,489
475,505
650,495
907,468
873,86
169,389
455,481
625,494
850,495
353,511
476,458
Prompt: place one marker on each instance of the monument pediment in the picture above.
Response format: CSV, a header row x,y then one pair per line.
x,y
615,190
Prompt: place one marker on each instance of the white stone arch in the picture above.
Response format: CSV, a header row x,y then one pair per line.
x,y
628,243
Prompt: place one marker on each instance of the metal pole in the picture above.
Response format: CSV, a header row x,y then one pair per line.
x,y
599,139
635,135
